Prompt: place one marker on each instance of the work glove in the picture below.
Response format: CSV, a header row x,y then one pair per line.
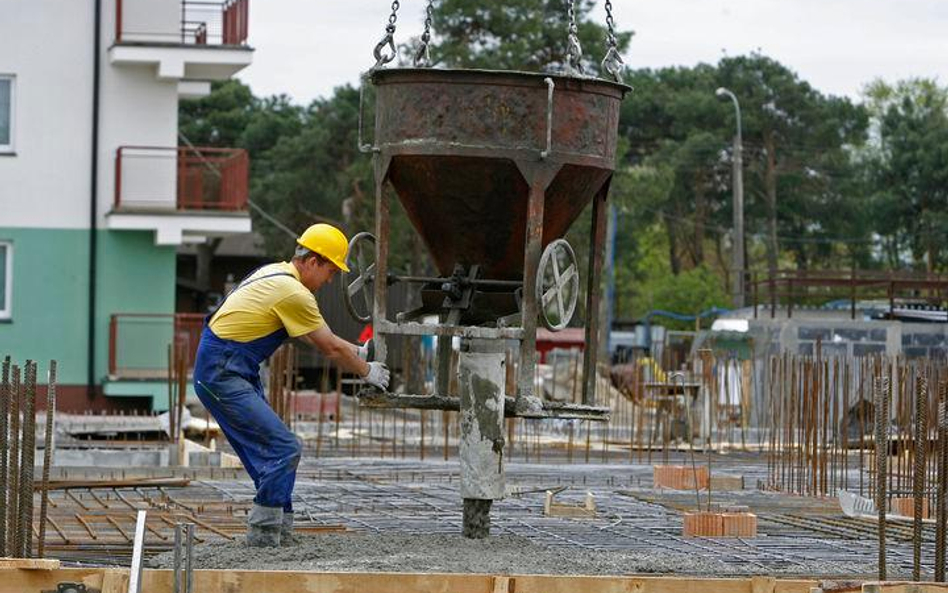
x,y
378,375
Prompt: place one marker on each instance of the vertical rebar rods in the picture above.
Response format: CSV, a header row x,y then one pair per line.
x,y
25,518
5,397
918,481
48,445
13,490
941,516
882,444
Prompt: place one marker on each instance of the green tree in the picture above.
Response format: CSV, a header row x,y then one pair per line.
x,y
796,147
910,169
528,35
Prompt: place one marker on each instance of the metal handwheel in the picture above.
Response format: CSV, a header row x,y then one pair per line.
x,y
557,285
359,282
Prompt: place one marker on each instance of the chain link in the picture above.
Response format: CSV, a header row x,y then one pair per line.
x,y
612,63
423,56
574,51
388,40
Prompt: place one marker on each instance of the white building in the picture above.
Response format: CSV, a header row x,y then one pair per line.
x,y
95,193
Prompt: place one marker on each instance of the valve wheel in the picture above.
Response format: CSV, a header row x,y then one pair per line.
x,y
557,285
359,281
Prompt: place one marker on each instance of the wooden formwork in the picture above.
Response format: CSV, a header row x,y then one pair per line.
x,y
245,581
35,579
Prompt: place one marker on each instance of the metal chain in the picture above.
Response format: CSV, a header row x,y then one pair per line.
x,y
388,40
612,63
423,56
574,51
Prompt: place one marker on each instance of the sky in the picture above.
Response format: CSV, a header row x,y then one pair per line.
x,y
306,48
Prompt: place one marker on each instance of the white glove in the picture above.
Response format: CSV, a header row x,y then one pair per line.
x,y
378,375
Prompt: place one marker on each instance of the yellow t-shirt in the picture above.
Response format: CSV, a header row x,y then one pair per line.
x,y
258,308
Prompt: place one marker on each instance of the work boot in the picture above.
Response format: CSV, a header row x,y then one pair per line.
x,y
264,525
287,536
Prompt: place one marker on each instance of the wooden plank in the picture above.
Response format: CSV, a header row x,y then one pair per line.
x,y
763,584
228,581
904,587
29,563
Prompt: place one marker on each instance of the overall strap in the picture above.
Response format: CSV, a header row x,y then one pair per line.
x,y
246,281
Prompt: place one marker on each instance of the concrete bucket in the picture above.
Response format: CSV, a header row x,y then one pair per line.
x,y
492,168
467,146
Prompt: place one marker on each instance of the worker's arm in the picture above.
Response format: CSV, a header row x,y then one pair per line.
x,y
341,352
346,356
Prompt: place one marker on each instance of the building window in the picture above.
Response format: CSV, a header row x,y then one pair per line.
x,y
6,278
6,112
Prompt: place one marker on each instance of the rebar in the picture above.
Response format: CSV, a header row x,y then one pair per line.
x,y
918,481
25,522
13,499
940,505
882,443
4,450
47,457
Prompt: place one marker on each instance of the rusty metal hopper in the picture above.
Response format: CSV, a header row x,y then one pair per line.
x,y
466,146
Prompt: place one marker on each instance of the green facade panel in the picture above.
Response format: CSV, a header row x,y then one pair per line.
x,y
134,277
50,299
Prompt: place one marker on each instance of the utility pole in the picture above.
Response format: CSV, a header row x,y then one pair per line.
x,y
738,206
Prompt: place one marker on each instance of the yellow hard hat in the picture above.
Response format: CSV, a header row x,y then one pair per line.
x,y
327,241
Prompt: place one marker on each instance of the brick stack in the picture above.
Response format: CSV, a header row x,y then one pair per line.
x,y
906,507
721,521
679,477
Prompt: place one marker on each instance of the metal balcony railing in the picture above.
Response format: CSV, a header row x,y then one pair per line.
x,y
138,342
182,178
189,22
793,288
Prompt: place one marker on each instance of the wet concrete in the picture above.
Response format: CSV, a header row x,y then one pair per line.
x,y
355,552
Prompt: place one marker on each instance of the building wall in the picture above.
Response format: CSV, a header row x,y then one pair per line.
x,y
47,45
45,188
50,298
138,109
134,276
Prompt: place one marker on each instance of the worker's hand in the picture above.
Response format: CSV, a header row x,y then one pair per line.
x,y
378,375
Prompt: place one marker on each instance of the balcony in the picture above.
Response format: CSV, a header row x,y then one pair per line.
x,y
139,342
182,193
186,40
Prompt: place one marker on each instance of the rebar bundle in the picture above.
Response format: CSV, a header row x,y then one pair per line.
x,y
881,389
18,444
5,395
918,479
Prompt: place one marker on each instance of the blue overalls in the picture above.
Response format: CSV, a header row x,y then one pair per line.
x,y
227,381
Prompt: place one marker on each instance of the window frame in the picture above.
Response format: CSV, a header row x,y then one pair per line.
x,y
10,148
6,313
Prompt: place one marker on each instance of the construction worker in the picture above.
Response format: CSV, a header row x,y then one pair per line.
x,y
273,303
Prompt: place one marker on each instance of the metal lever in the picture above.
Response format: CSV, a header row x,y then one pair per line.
x,y
550,86
363,146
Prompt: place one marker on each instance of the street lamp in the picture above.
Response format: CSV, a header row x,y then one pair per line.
x,y
738,210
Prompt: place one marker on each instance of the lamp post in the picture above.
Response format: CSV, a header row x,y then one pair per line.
x,y
738,208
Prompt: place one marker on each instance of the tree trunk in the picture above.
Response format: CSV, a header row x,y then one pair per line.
x,y
701,212
673,259
722,264
770,183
